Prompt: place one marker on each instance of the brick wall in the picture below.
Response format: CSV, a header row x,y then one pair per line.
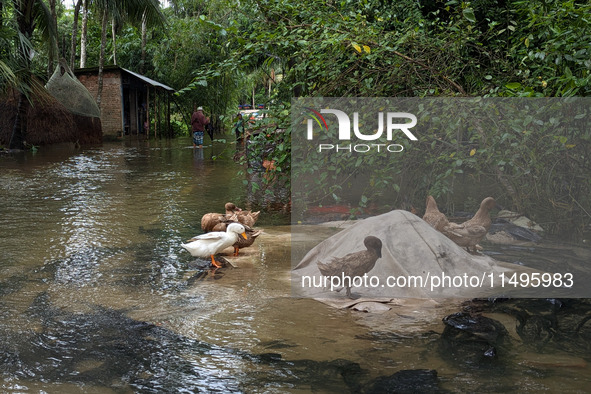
x,y
111,116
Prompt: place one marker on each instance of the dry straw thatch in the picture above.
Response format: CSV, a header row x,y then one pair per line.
x,y
48,121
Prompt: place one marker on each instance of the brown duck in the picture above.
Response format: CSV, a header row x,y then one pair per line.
x,y
242,243
231,208
477,227
210,220
482,216
436,219
354,264
248,218
466,234
222,225
219,221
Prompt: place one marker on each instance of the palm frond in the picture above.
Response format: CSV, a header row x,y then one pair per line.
x,y
132,10
45,23
8,78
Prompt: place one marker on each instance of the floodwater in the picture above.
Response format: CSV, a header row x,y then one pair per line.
x,y
97,296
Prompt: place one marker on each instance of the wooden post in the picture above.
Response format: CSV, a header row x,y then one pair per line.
x,y
157,112
147,110
168,129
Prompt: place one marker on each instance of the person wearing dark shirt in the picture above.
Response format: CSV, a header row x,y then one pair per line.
x,y
198,123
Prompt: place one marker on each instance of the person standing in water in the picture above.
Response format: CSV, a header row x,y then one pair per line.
x,y
239,128
198,123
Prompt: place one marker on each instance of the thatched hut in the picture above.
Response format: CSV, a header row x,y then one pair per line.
x,y
47,121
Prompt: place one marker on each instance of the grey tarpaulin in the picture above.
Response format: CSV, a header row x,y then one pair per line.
x,y
411,249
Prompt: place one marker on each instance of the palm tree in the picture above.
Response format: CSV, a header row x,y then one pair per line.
x,y
8,77
74,33
84,35
144,41
29,15
133,11
52,53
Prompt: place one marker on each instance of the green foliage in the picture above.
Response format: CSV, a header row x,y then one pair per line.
x,y
25,31
202,67
9,60
179,126
482,48
269,151
531,154
551,49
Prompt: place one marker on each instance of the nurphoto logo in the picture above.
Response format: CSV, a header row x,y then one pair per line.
x,y
395,122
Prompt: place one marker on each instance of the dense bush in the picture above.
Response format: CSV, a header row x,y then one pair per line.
x,y
484,48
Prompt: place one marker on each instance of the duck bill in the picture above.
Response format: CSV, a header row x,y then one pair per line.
x,y
243,235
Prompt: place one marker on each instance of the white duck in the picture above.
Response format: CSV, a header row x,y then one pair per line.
x,y
211,243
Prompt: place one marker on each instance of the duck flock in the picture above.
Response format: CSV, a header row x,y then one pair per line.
x,y
222,230
466,234
235,228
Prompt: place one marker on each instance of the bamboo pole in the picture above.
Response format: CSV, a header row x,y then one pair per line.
x,y
168,130
157,112
147,111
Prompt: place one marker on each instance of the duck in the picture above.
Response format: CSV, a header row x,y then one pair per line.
x,y
467,234
209,221
248,218
354,264
211,243
482,216
242,243
231,208
223,223
433,216
219,221
476,228
438,220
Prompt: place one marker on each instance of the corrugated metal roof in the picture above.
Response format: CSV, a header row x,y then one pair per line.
x,y
148,80
139,76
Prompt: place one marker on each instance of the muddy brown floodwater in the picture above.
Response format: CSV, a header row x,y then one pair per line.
x,y
97,296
